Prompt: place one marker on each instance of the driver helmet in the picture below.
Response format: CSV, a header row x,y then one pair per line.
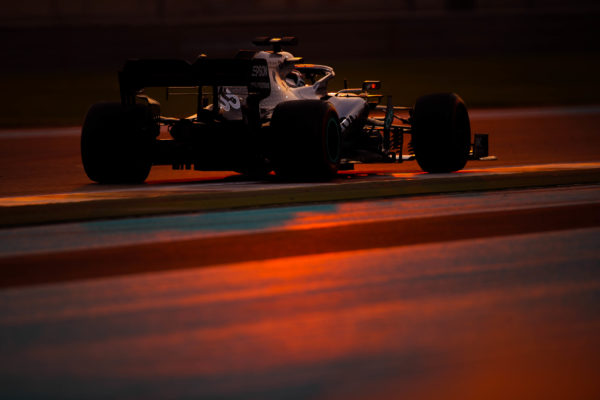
x,y
294,79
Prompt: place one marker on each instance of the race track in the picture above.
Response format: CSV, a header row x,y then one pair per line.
x,y
44,161
385,283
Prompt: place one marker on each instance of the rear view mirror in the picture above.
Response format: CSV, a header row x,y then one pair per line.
x,y
371,85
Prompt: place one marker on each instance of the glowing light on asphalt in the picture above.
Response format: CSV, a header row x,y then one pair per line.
x,y
146,191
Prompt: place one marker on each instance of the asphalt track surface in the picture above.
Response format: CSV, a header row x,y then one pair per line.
x,y
472,293
44,161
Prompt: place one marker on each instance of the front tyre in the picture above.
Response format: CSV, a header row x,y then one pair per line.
x,y
116,142
441,133
306,140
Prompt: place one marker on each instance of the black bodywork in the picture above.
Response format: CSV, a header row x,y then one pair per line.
x,y
195,142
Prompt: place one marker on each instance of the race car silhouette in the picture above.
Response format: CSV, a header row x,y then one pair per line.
x,y
264,111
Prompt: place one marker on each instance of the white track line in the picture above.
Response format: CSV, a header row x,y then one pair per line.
x,y
145,191
161,229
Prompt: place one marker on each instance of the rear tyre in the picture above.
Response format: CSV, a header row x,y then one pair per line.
x,y
116,142
441,132
306,140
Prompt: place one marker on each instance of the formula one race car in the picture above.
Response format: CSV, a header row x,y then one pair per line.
x,y
266,111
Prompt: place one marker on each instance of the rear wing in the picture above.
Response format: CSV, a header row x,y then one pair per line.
x,y
139,74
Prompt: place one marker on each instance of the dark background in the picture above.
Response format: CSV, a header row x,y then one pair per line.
x,y
61,56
